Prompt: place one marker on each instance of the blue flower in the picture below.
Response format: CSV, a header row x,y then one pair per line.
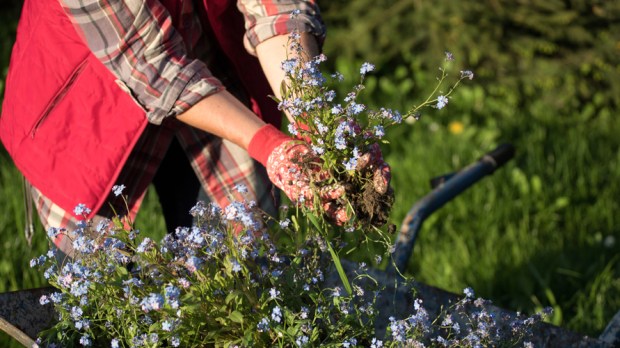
x,y
336,109
146,245
86,341
321,127
166,325
43,300
76,312
172,295
441,102
449,56
352,342
336,292
114,343
289,65
338,76
152,302
56,297
351,164
241,188
366,68
81,209
83,324
304,313
153,338
355,108
193,263
319,150
379,131
263,325
330,95
467,74
301,341
118,189
199,209
469,292
236,267
79,288
398,330
276,314
273,293
52,232
350,97
285,223
83,245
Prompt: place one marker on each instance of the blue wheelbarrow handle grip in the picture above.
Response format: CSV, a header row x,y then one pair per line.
x,y
449,188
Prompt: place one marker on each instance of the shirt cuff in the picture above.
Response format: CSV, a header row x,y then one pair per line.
x,y
284,24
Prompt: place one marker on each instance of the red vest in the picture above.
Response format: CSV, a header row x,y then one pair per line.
x,y
66,123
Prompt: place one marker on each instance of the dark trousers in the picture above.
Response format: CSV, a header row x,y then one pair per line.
x,y
178,187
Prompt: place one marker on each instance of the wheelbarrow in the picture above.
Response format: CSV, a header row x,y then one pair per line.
x,y
23,318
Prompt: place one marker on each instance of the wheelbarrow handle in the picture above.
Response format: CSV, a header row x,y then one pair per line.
x,y
502,154
446,189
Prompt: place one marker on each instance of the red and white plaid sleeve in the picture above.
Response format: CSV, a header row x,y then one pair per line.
x,y
136,40
265,19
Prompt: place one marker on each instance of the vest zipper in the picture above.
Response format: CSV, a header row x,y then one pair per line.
x,y
29,226
58,96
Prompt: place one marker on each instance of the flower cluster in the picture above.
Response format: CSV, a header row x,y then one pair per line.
x,y
238,278
214,284
346,133
222,281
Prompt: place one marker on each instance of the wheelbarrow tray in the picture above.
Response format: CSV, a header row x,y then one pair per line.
x,y
23,317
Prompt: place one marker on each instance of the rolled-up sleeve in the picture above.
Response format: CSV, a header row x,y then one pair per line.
x,y
265,19
136,40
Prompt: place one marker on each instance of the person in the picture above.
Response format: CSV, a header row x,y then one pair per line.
x,y
132,92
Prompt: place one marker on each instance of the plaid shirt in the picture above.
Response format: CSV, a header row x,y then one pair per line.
x,y
167,66
155,56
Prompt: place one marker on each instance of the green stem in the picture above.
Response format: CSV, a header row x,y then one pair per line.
x,y
343,276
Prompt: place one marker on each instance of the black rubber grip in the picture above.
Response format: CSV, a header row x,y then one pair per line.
x,y
502,154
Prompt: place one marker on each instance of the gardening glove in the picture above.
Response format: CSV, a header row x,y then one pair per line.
x,y
381,172
291,166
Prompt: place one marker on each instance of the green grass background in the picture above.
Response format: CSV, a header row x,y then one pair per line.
x,y
541,231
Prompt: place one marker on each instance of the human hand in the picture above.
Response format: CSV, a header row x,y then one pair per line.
x,y
372,160
295,169
381,172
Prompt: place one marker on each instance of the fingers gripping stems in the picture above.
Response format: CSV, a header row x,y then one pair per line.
x,y
294,168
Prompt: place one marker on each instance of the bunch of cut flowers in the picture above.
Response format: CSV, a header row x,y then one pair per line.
x,y
346,134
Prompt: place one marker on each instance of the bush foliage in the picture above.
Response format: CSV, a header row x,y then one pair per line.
x,y
549,58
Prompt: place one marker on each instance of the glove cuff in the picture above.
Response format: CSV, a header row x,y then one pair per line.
x,y
266,139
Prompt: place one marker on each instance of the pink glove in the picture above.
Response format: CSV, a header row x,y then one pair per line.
x,y
291,164
381,172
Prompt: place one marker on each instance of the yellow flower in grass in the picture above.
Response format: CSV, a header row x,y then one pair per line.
x,y
456,127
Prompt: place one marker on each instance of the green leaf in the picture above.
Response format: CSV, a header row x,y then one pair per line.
x,y
230,297
314,221
122,271
341,273
236,317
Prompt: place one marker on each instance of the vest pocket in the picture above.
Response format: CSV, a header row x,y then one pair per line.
x,y
62,92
